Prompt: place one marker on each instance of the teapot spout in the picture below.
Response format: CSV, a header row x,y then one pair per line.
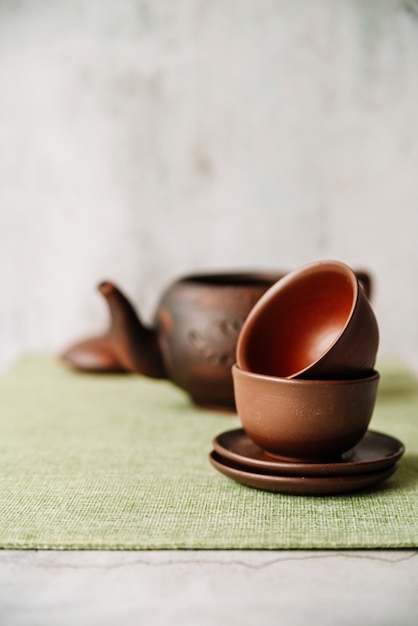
x,y
135,345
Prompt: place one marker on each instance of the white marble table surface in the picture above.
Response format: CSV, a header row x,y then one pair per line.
x,y
198,588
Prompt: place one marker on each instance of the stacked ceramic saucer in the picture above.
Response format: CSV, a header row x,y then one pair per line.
x,y
370,462
305,389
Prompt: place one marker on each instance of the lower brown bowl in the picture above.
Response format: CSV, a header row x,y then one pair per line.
x,y
304,420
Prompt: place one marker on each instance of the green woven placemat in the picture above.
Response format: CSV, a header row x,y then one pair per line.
x,y
120,462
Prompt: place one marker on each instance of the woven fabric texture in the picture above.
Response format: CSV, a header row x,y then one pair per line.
x,y
121,462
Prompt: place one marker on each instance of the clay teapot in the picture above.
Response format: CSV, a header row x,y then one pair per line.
x,y
192,340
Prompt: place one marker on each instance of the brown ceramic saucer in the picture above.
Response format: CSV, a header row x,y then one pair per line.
x,y
374,452
300,485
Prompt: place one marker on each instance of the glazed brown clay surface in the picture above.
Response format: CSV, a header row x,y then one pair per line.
x,y
316,322
300,485
304,419
375,452
94,355
365,279
193,338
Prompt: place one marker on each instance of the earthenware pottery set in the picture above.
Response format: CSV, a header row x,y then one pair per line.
x,y
292,353
192,340
305,390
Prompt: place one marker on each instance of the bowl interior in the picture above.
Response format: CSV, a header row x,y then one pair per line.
x,y
297,321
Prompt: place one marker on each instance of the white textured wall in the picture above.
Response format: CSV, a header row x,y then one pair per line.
x,y
143,139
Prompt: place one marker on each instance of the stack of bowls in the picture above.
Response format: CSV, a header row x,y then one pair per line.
x,y
305,386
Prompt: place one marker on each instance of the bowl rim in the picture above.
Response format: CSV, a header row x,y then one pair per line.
x,y
370,376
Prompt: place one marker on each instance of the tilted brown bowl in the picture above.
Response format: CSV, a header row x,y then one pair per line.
x,y
316,323
309,420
